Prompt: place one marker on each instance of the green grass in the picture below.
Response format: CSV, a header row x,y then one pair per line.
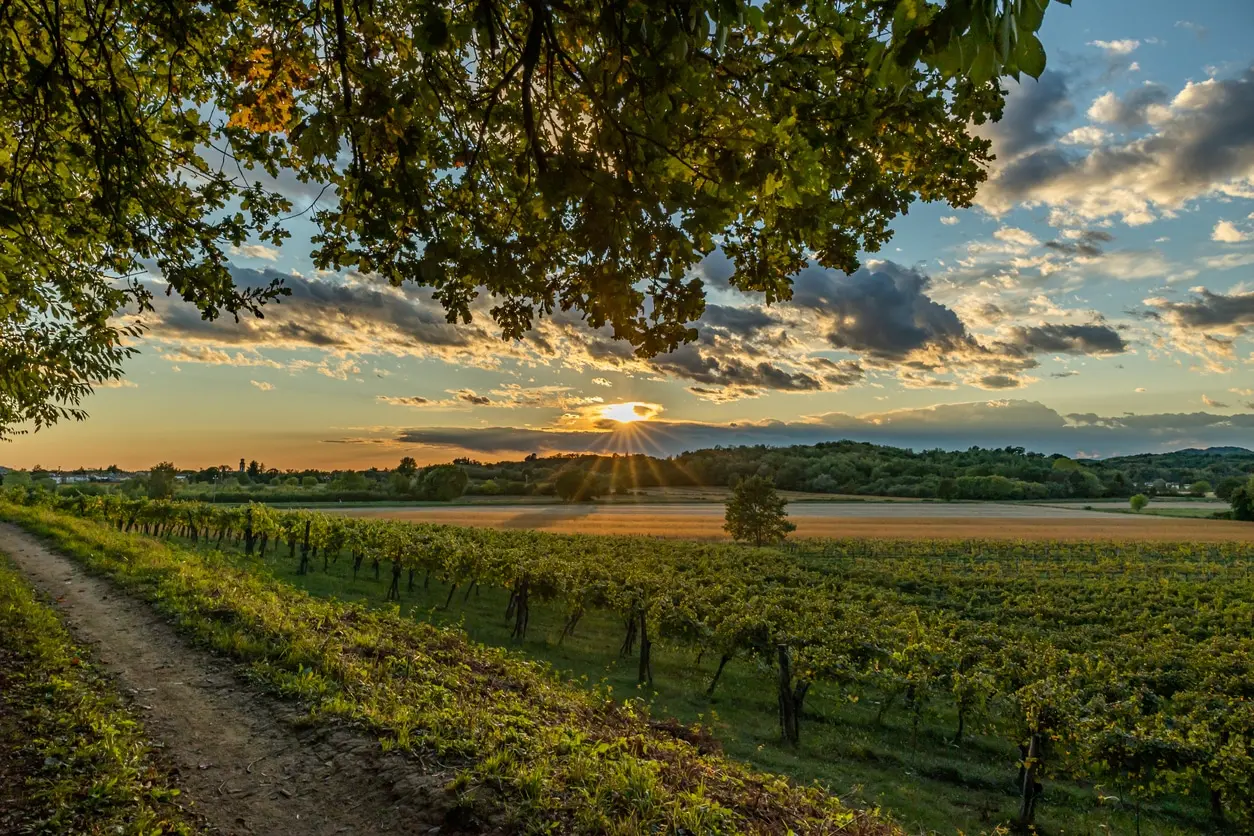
x,y
85,765
1151,511
922,780
524,750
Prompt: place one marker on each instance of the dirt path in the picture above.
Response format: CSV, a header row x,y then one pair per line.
x,y
243,759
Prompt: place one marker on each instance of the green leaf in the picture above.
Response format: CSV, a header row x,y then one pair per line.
x,y
1031,55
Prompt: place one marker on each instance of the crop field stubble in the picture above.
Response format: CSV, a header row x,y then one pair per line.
x,y
907,521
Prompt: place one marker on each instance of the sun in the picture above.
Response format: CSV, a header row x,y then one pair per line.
x,y
629,412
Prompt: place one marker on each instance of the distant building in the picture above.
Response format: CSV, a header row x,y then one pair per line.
x,y
241,467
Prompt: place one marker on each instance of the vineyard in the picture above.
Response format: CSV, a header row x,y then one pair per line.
x,y
1125,667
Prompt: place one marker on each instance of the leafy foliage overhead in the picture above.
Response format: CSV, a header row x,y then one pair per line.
x,y
546,155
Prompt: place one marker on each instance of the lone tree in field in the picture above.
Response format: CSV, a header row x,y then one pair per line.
x,y
755,512
1242,500
602,148
1138,502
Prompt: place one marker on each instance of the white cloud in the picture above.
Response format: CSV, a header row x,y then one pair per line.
x,y
600,381
949,220
1226,232
1197,144
262,385
1114,48
1016,236
118,383
258,251
1140,389
1086,135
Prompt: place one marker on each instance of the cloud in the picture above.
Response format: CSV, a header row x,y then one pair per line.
x,y
949,220
825,338
1200,143
258,251
1094,339
1206,326
990,423
885,313
401,400
997,381
1207,311
1131,111
1116,48
600,381
1085,135
1226,232
1212,403
471,397
114,383
262,385
216,357
1032,112
1087,243
1196,28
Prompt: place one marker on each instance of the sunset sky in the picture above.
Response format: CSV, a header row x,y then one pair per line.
x,y
1098,299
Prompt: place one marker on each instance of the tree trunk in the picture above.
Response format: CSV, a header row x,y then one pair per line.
x,y
629,641
789,722
394,591
1030,789
452,588
249,539
645,672
357,560
304,551
522,612
722,663
568,629
962,721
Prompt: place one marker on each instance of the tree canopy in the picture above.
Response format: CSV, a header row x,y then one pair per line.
x,y
535,156
756,512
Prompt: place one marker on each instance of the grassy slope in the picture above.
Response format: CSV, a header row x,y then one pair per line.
x,y
524,749
72,758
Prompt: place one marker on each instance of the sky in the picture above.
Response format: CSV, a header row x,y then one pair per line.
x,y
1098,299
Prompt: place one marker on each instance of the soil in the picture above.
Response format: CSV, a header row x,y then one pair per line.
x,y
249,764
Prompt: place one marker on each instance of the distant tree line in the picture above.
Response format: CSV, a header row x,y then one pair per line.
x,y
839,467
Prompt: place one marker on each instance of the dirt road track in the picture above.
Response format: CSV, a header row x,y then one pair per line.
x,y
246,761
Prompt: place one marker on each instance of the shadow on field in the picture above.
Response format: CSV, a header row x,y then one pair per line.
x,y
546,517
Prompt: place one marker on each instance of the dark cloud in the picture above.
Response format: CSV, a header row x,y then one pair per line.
x,y
1208,311
471,397
1087,245
698,363
1093,339
998,381
319,314
1033,110
993,423
884,313
741,321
